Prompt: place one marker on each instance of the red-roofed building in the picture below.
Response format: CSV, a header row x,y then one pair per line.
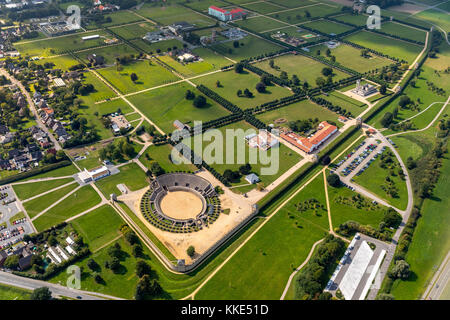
x,y
310,144
225,14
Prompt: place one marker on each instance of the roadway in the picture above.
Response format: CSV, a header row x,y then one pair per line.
x,y
440,280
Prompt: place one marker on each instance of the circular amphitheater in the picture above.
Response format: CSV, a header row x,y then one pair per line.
x,y
180,203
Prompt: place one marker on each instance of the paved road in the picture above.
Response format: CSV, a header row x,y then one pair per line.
x,y
56,289
439,281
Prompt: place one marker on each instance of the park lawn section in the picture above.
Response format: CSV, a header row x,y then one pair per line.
x,y
152,48
298,15
327,27
431,240
134,31
28,190
403,31
117,18
130,175
392,47
291,3
345,102
148,76
35,206
59,172
275,251
351,58
167,104
81,200
263,7
167,15
110,53
252,47
357,20
98,227
341,213
296,32
305,68
302,110
203,5
287,157
260,24
13,293
374,177
231,82
161,155
50,47
63,62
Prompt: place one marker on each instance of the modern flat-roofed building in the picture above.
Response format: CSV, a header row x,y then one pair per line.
x,y
225,14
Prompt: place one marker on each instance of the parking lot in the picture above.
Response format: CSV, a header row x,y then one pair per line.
x,y
13,226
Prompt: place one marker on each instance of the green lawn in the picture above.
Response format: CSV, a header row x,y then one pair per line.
x,y
435,17
161,155
392,47
152,48
373,178
134,31
110,53
35,206
131,175
357,20
13,293
118,18
98,227
165,105
299,15
345,102
28,190
60,172
305,68
263,7
61,62
327,27
403,31
260,24
148,76
231,82
79,201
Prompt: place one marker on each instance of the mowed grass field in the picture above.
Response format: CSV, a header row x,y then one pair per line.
x,y
261,268
403,31
357,20
262,7
250,46
347,103
117,18
221,157
299,15
79,201
231,82
134,31
98,227
55,46
63,62
291,3
305,68
392,47
161,155
110,53
167,104
28,190
148,76
169,14
152,48
130,175
302,110
327,26
351,58
260,24
13,293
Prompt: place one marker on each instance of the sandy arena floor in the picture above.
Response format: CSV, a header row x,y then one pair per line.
x,y
181,205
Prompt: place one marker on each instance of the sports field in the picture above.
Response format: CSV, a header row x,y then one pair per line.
x,y
305,68
231,82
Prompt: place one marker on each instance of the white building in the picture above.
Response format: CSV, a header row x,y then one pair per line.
x,y
94,174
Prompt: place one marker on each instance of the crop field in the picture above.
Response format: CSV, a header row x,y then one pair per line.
x,y
403,31
392,47
327,26
170,14
260,24
118,18
79,201
130,175
287,157
55,46
134,31
231,82
299,15
250,46
161,46
165,105
99,227
351,58
302,110
148,76
305,68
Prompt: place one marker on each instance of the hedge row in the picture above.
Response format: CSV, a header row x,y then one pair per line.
x,y
220,100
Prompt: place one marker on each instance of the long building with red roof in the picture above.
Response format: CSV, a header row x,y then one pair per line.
x,y
310,144
225,14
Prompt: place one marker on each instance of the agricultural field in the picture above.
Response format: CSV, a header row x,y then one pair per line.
x,y
231,82
167,104
392,47
148,76
350,57
250,46
305,68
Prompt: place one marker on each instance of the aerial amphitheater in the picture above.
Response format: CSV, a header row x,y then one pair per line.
x,y
224,150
